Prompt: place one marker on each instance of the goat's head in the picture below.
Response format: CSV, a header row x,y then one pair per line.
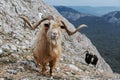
x,y
53,30
52,27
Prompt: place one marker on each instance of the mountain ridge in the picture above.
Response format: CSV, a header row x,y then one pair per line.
x,y
96,10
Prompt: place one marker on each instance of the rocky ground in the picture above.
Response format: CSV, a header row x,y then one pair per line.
x,y
22,67
16,42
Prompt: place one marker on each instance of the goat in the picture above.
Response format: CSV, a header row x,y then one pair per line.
x,y
90,58
48,48
94,60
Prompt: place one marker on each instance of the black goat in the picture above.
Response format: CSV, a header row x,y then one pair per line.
x,y
90,58
95,60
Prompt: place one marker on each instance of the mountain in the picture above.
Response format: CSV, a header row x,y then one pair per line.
x,y
74,16
70,13
104,33
113,17
97,11
17,42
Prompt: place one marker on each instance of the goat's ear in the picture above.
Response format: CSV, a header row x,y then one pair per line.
x,y
62,27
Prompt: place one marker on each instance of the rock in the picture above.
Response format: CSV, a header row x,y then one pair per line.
x,y
12,71
13,47
1,29
27,42
5,46
25,79
23,63
40,15
3,78
23,47
73,67
86,78
21,69
1,42
1,51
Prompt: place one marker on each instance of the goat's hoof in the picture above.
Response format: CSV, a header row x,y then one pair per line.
x,y
52,74
44,74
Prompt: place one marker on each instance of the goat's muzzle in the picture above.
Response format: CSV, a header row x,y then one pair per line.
x,y
54,35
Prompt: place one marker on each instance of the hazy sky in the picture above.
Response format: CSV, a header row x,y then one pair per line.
x,y
85,2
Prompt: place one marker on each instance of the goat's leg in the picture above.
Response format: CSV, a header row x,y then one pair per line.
x,y
36,63
43,69
52,66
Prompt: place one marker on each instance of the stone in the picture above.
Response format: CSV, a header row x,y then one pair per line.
x,y
13,47
73,67
40,15
3,78
1,29
25,79
1,51
12,71
21,69
1,42
5,46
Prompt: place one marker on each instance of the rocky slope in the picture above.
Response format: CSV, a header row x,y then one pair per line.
x,y
16,43
113,17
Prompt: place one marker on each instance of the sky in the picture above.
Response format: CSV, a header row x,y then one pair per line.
x,y
84,2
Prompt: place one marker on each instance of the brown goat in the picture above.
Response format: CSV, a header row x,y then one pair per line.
x,y
48,48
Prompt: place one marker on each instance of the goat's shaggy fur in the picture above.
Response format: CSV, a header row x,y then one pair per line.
x,y
48,48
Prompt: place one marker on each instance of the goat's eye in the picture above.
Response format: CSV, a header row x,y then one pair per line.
x,y
62,27
47,25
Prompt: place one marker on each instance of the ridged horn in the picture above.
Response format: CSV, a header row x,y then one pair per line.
x,y
77,29
36,24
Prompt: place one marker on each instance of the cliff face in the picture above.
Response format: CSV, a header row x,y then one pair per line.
x,y
16,41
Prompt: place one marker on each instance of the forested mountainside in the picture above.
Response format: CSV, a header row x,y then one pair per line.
x,y
103,32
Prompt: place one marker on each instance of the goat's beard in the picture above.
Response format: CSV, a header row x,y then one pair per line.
x,y
54,41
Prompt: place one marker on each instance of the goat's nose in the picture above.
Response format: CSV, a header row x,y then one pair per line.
x,y
54,33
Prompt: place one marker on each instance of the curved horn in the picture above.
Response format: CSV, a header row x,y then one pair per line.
x,y
77,29
36,24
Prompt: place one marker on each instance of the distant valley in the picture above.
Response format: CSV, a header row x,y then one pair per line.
x,y
103,30
97,11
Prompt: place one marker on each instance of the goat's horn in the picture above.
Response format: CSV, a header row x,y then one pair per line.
x,y
77,29
36,24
